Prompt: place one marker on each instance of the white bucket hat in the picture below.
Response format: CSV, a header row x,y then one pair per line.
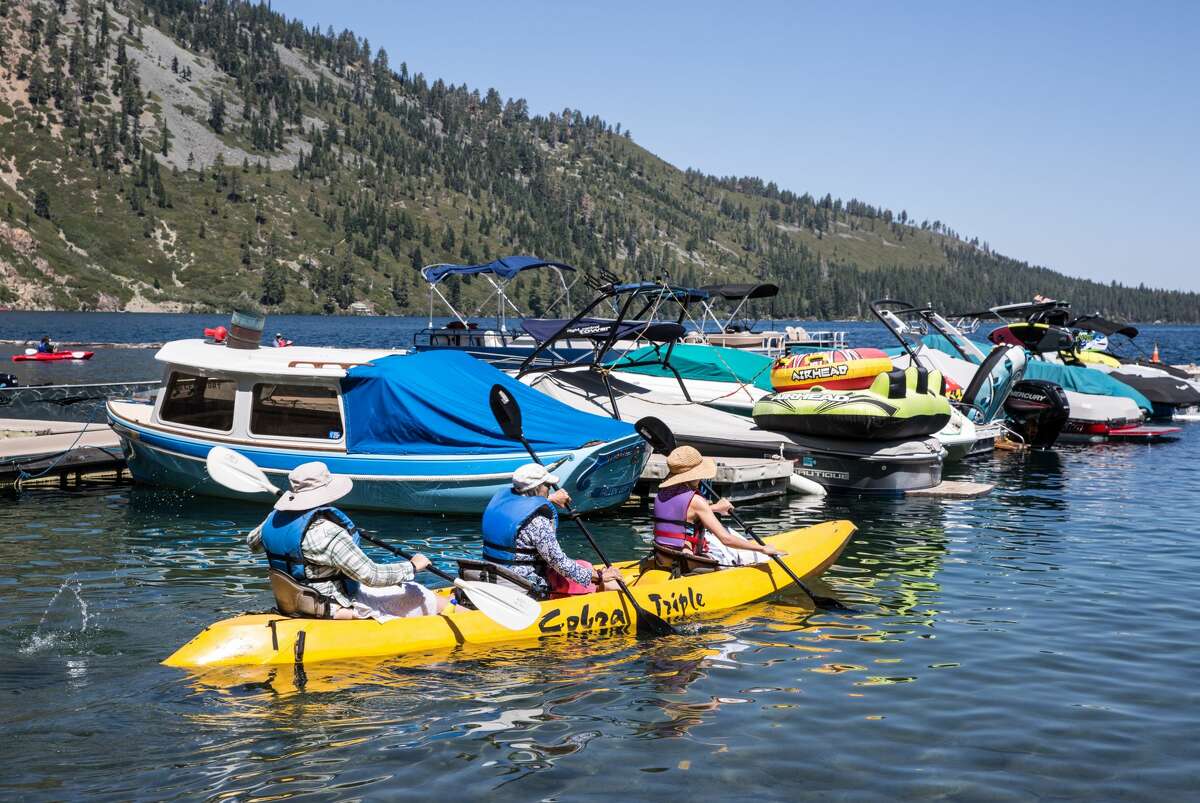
x,y
313,486
530,476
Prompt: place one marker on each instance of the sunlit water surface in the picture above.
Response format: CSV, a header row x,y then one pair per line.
x,y
1040,641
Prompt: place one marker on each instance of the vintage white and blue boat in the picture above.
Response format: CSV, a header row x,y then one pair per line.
x,y
414,432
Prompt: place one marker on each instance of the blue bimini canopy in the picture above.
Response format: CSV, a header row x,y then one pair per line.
x,y
506,268
436,402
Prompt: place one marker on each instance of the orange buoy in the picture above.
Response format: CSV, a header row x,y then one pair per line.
x,y
1154,354
844,369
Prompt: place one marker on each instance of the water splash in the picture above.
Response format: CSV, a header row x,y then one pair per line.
x,y
41,640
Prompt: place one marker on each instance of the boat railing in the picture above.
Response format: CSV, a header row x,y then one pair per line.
x,y
324,364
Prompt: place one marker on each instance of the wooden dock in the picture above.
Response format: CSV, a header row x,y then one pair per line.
x,y
739,479
57,451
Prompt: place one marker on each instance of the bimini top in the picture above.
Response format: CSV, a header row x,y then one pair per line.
x,y
1096,323
505,267
737,292
543,329
436,402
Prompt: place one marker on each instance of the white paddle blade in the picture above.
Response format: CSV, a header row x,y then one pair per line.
x,y
506,606
237,472
30,352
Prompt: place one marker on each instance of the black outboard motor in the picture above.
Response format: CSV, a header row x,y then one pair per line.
x,y
1037,410
8,381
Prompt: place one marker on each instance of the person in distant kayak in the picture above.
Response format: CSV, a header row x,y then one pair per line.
x,y
46,347
281,341
684,520
317,546
520,532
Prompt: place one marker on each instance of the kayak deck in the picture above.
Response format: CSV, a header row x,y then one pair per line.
x,y
263,639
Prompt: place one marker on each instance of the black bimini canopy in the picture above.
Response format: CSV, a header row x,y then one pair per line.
x,y
738,292
1096,323
543,329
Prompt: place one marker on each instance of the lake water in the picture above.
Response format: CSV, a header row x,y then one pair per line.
x,y
1037,642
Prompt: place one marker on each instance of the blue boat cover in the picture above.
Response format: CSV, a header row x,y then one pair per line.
x,y
1078,378
436,402
505,267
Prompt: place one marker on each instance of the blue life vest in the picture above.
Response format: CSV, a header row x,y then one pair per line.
x,y
505,515
282,534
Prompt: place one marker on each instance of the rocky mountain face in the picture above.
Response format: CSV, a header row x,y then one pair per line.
x,y
178,155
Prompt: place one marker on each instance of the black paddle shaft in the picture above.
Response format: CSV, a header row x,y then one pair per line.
x,y
398,551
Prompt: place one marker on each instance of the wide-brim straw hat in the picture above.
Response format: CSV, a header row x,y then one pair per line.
x,y
685,464
313,486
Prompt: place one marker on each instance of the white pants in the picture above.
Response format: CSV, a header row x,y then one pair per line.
x,y
729,556
394,602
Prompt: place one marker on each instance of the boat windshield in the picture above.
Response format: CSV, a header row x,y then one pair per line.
x,y
956,337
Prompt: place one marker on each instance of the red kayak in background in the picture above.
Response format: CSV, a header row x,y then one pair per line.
x,y
53,356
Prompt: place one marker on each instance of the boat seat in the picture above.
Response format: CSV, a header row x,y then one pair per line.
x,y
679,563
483,571
298,600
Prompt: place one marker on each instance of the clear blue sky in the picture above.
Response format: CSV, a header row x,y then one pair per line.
x,y
1063,134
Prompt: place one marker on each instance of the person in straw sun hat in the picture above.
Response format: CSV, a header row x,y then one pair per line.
x,y
684,519
316,545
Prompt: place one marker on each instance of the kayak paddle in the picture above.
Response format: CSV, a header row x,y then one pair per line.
x,y
507,606
508,416
662,440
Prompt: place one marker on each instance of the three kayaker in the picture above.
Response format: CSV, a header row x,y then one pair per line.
x,y
46,346
317,546
684,520
520,532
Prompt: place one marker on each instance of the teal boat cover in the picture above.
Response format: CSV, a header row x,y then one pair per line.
x,y
1078,378
436,402
712,363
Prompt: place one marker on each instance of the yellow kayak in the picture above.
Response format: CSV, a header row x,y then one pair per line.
x,y
265,639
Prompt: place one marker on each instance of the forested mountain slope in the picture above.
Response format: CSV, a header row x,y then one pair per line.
x,y
173,154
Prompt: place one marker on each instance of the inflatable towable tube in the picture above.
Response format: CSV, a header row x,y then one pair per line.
x,y
844,369
903,403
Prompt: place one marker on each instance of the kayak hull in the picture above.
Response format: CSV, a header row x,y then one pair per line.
x,y
56,356
271,639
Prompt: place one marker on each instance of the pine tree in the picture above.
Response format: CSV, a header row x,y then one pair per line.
x,y
216,113
41,204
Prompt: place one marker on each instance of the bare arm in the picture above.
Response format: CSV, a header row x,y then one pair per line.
x,y
703,513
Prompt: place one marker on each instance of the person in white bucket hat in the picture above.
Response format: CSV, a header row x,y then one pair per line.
x,y
520,533
316,545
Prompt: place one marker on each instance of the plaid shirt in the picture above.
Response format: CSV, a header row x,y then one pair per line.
x,y
330,551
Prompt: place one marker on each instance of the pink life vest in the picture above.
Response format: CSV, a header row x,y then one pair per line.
x,y
671,527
